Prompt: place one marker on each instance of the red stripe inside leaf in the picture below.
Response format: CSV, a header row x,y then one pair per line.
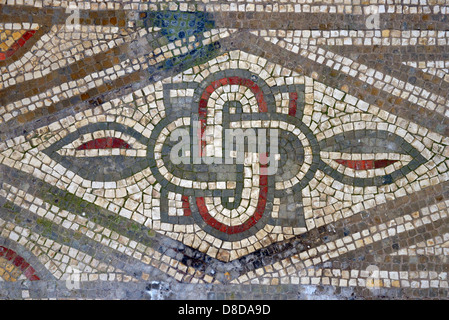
x,y
365,164
104,143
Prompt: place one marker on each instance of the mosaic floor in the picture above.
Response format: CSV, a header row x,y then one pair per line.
x,y
212,149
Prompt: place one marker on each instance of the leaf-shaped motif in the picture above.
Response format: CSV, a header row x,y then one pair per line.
x,y
102,152
368,157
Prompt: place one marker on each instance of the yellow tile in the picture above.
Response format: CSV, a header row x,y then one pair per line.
x,y
374,283
18,34
3,47
6,32
9,42
9,267
415,214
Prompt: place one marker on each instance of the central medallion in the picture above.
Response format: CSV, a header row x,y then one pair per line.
x,y
224,145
